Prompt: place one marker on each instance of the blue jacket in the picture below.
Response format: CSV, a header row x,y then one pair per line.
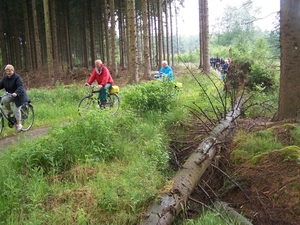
x,y
14,84
168,71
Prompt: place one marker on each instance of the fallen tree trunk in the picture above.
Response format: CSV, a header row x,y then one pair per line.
x,y
223,206
175,194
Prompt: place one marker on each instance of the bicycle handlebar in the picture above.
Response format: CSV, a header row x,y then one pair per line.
x,y
9,94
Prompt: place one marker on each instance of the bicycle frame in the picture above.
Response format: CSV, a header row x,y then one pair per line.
x,y
88,102
1,107
27,116
11,120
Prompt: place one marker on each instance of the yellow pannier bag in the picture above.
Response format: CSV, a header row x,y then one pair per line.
x,y
114,89
178,84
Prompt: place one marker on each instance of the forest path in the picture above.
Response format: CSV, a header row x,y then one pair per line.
x,y
5,142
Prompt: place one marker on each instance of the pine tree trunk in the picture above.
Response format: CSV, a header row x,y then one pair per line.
x,y
85,59
17,47
289,91
27,53
167,32
2,42
171,40
122,35
54,32
146,49
114,65
92,35
38,54
160,32
200,3
205,29
132,38
48,39
67,35
107,34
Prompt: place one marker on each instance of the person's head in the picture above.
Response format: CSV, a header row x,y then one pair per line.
x,y
9,70
164,63
98,63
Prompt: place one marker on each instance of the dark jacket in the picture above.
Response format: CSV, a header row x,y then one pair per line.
x,y
14,84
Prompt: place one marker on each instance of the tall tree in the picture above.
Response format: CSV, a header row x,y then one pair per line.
x,y
92,35
54,31
146,52
204,35
160,31
27,53
171,34
48,39
2,45
84,37
114,65
132,38
38,54
167,32
289,92
200,3
16,28
67,35
106,31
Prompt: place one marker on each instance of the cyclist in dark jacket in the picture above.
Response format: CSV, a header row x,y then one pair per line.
x,y
13,84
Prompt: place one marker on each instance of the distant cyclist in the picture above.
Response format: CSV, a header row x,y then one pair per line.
x,y
166,71
102,75
13,84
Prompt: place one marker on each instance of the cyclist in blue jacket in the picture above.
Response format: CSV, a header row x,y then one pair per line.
x,y
165,70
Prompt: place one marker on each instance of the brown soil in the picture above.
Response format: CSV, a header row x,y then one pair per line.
x,y
266,193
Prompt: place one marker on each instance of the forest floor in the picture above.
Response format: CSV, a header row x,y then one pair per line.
x,y
266,193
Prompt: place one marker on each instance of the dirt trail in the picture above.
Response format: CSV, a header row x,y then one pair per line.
x,y
31,134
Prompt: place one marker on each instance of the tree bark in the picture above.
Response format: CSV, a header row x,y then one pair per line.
x,y
114,65
160,32
200,5
2,45
92,35
54,32
175,194
38,54
132,47
171,34
48,39
17,44
289,92
205,38
27,55
67,35
106,31
146,50
224,207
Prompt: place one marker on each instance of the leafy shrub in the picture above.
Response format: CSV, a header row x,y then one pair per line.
x,y
260,75
151,96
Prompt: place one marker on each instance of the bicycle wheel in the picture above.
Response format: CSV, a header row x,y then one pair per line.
x,y
1,122
86,104
113,103
27,116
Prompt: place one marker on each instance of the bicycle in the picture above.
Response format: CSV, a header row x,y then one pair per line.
x,y
91,101
27,116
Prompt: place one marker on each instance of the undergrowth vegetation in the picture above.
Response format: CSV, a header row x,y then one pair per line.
x,y
102,169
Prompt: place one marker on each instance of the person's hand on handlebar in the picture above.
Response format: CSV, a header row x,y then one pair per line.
x,y
86,84
14,95
99,86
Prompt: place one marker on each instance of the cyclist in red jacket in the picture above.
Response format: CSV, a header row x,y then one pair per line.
x,y
102,75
